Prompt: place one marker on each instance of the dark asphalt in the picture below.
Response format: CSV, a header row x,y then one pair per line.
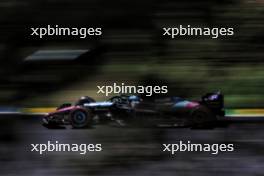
x,y
129,151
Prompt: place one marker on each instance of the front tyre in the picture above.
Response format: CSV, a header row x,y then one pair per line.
x,y
81,118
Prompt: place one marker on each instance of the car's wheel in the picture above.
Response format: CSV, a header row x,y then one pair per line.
x,y
202,117
81,118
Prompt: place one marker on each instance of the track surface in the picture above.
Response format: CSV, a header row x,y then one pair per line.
x,y
129,151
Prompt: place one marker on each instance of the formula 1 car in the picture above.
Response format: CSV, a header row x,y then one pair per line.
x,y
133,110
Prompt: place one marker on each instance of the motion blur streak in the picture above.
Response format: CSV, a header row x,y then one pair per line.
x,y
55,55
132,50
253,112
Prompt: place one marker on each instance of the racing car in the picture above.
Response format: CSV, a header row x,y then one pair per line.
x,y
135,110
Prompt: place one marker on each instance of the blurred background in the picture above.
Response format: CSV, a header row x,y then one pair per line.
x,y
131,50
53,70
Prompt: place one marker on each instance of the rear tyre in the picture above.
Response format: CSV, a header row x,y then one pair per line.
x,y
81,118
202,117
